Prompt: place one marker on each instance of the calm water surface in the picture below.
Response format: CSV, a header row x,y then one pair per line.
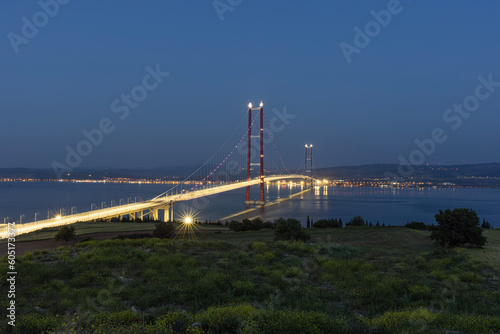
x,y
387,205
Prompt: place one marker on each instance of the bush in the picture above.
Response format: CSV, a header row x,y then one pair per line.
x,y
35,323
86,239
66,233
134,236
327,223
417,226
248,225
459,227
485,224
163,230
356,221
290,229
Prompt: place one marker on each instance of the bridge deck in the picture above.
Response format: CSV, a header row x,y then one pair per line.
x,y
155,203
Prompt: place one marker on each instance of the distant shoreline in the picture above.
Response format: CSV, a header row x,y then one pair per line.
x,y
367,183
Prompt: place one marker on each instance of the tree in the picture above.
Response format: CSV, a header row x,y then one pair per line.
x,y
485,224
459,227
356,221
308,222
249,225
66,233
163,230
327,223
290,229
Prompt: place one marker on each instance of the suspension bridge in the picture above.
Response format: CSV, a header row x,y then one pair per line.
x,y
230,168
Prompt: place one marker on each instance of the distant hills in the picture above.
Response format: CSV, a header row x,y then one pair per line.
x,y
375,171
450,173
100,173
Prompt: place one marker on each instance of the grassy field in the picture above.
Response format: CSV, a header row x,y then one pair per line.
x,y
99,227
490,255
377,280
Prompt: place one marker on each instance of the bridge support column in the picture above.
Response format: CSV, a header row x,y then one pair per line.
x,y
310,170
249,149
166,213
262,198
154,212
261,137
311,166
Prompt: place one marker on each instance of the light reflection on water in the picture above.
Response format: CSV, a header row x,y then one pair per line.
x,y
394,206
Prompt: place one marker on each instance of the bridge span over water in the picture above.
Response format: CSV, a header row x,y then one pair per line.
x,y
224,171
140,209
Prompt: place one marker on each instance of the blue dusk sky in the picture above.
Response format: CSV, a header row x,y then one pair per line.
x,y
363,79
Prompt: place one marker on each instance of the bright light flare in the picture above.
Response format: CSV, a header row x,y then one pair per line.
x,y
58,217
188,226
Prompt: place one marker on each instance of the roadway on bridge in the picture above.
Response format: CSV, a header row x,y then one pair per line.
x,y
153,204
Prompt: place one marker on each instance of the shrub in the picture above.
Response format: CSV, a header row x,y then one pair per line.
x,y
134,236
397,320
248,225
227,319
327,223
35,323
485,224
86,239
417,226
356,221
163,230
290,229
66,233
293,321
459,227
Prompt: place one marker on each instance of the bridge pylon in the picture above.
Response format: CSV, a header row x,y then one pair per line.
x,y
310,159
249,158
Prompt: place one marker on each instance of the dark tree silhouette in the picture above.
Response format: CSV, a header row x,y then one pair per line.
x,y
290,229
459,227
66,233
485,224
163,230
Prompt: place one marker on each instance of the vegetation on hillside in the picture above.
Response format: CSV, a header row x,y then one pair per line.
x,y
157,285
459,227
66,233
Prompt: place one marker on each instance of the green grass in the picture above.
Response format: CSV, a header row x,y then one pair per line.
x,y
393,279
381,238
490,254
84,228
